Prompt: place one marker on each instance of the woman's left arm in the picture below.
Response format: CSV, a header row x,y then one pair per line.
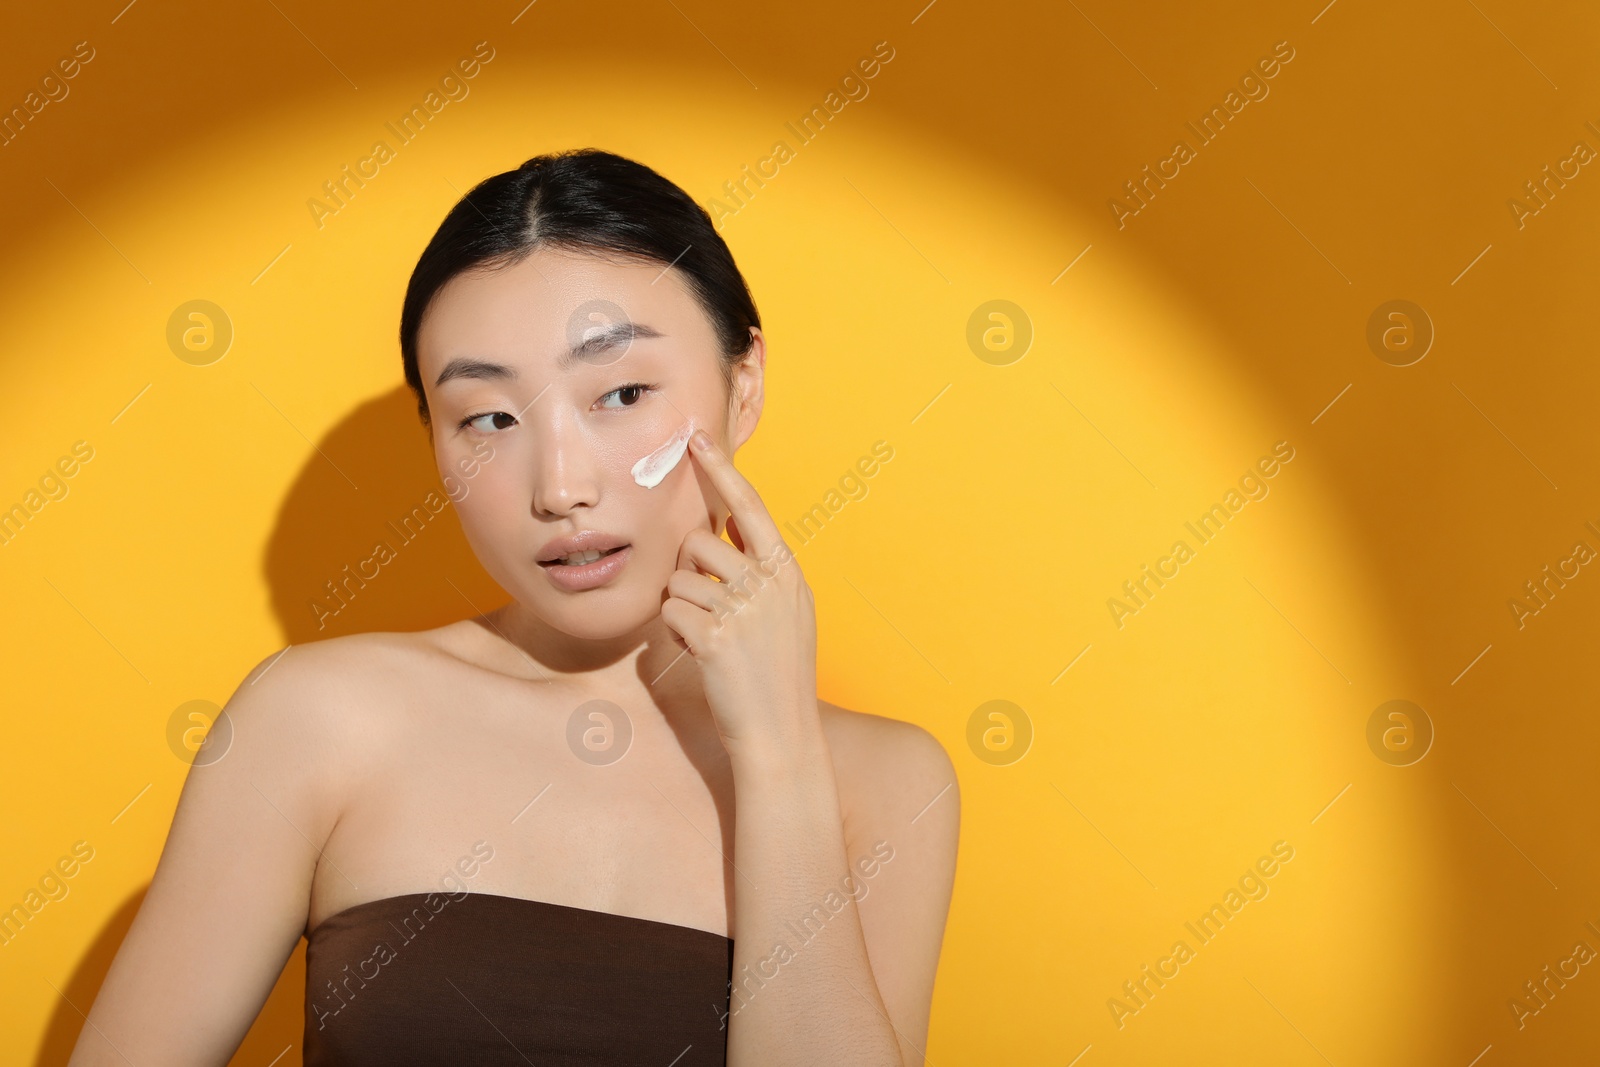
x,y
846,916
805,987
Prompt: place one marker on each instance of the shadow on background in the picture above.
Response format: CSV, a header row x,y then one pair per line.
x,y
278,1026
367,539
84,985
370,482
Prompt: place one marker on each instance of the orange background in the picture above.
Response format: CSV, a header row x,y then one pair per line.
x,y
1026,486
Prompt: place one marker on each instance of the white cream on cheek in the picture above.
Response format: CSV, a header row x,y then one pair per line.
x,y
649,471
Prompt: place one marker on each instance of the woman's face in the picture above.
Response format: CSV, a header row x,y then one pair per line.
x,y
538,423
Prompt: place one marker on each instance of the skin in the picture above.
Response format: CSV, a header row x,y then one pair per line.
x,y
367,766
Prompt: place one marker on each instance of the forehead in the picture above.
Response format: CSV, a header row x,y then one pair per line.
x,y
529,309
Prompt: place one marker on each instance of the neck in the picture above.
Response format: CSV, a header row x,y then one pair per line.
x,y
646,661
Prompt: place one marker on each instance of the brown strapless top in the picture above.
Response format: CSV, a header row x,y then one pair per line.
x,y
436,978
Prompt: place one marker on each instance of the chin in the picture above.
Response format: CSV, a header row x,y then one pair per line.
x,y
598,614
597,623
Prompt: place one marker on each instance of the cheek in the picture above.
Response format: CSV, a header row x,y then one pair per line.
x,y
654,457
663,517
618,454
491,502
480,520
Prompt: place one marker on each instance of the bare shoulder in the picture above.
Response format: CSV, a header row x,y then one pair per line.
x,y
339,662
326,706
336,679
890,765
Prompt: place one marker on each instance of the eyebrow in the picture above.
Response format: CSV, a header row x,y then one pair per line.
x,y
601,340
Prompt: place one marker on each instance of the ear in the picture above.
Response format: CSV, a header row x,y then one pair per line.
x,y
747,395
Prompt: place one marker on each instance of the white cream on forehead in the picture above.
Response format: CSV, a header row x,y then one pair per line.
x,y
649,471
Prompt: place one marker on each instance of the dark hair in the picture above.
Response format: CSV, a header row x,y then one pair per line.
x,y
582,200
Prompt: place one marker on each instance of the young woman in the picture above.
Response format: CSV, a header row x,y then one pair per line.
x,y
609,822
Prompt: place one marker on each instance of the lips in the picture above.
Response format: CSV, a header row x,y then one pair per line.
x,y
553,552
580,559
582,577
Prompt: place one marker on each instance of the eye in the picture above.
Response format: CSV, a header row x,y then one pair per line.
x,y
635,390
470,419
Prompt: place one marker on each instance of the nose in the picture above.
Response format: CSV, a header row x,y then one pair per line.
x,y
565,474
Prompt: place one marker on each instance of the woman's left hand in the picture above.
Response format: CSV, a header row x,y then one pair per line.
x,y
754,632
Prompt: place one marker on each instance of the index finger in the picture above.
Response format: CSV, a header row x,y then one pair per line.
x,y
755,524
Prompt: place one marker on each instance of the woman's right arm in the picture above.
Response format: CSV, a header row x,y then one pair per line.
x,y
231,892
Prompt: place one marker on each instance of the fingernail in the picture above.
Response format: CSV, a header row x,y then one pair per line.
x,y
700,439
